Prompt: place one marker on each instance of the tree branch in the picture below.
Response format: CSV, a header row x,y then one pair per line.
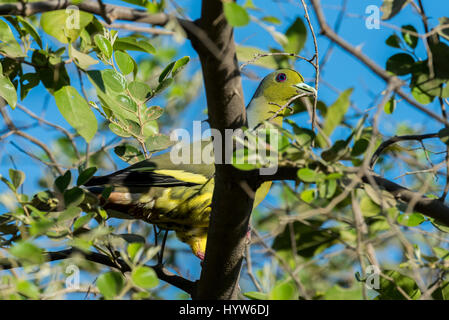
x,y
395,139
229,222
433,208
327,31
113,12
161,272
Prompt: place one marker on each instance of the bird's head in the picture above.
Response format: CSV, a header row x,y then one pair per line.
x,y
276,90
282,85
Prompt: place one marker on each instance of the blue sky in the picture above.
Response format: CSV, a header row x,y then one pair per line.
x,y
342,72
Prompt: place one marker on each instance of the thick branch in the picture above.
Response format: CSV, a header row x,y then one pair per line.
x,y
395,139
161,272
231,204
433,208
113,12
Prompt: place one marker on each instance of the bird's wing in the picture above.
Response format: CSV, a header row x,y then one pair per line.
x,y
159,171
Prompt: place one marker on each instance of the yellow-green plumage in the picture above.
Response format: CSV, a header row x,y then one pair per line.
x,y
178,197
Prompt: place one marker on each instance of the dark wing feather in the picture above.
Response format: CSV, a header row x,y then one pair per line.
x,y
137,179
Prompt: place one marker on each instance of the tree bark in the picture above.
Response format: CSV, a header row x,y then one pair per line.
x,y
231,204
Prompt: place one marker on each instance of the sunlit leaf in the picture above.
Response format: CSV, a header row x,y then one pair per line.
x,y
85,175
76,112
144,277
296,35
125,62
65,25
8,91
409,38
334,115
235,14
110,284
390,8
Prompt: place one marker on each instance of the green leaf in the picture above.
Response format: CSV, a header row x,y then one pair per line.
x,y
82,60
235,14
114,81
132,44
359,147
421,96
76,112
153,113
69,214
410,39
443,134
390,8
104,45
141,3
129,153
439,225
339,293
255,295
310,238
65,25
327,188
126,102
368,207
390,105
31,30
296,35
17,177
179,65
442,292
40,226
144,277
308,195
85,176
335,114
284,291
307,175
166,72
28,289
139,90
118,130
400,64
158,142
303,136
132,238
8,91
8,43
62,182
394,41
164,85
110,284
245,54
389,288
125,62
271,19
411,219
103,81
150,128
436,85
51,71
83,220
134,250
27,82
73,197
27,252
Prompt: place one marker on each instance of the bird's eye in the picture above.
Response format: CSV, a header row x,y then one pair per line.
x,y
281,77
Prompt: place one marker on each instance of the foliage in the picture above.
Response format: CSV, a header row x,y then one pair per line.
x,y
323,231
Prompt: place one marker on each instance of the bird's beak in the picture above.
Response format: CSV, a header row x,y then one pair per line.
x,y
302,87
